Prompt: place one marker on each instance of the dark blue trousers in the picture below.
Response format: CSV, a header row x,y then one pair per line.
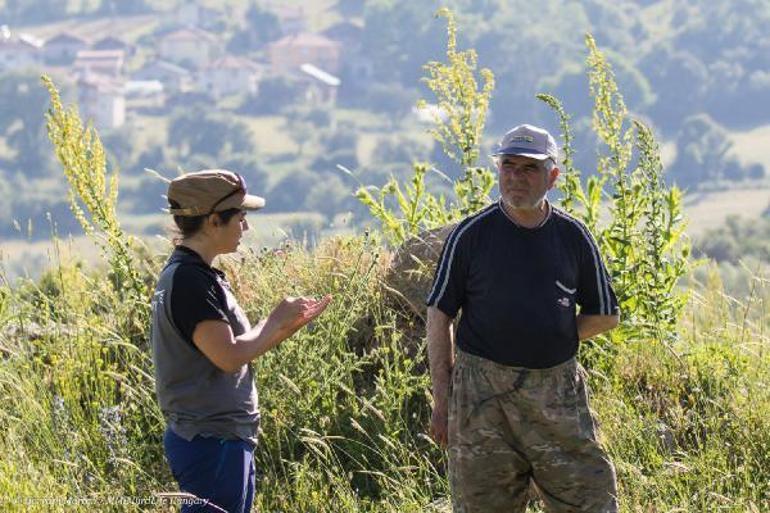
x,y
220,471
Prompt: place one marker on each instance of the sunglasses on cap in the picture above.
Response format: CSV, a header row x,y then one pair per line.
x,y
241,188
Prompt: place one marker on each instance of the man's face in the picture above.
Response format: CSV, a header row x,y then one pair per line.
x,y
524,180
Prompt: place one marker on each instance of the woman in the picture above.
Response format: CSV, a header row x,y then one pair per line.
x,y
203,345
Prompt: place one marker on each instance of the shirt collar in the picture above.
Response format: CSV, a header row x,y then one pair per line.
x,y
187,255
549,210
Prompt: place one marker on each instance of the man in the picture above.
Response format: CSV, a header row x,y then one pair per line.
x,y
511,402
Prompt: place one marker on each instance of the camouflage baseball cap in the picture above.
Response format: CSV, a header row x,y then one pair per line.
x,y
211,190
528,141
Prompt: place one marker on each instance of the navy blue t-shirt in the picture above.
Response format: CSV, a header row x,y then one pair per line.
x,y
518,288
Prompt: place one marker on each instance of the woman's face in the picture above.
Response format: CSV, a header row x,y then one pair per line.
x,y
230,233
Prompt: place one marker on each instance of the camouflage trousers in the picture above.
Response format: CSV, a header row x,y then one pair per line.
x,y
510,427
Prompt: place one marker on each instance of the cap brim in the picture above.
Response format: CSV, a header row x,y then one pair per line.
x,y
251,202
522,152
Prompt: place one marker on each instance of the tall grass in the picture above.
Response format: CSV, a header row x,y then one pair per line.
x,y
345,404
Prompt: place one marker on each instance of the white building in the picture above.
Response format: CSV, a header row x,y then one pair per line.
x,y
19,52
230,75
63,48
190,45
320,87
102,101
175,79
101,62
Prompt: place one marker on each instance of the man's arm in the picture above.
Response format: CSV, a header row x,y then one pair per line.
x,y
591,325
441,359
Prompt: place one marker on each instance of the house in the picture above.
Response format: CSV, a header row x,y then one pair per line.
x,y
230,75
358,67
19,52
101,62
320,86
114,43
175,79
349,33
144,94
190,45
102,101
63,48
289,53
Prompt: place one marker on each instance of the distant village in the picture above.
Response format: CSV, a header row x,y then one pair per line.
x,y
186,58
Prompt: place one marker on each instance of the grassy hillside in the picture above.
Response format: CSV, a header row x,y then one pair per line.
x,y
345,405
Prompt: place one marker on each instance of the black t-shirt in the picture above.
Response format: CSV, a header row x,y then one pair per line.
x,y
518,287
195,396
198,294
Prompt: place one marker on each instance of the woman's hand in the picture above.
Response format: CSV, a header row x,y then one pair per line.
x,y
293,313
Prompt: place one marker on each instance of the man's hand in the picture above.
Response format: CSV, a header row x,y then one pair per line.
x,y
439,422
439,330
293,313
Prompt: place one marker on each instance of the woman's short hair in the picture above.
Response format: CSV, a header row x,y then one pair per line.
x,y
188,226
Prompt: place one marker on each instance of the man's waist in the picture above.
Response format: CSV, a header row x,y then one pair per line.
x,y
542,357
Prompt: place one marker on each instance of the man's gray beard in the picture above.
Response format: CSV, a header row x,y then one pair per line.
x,y
523,207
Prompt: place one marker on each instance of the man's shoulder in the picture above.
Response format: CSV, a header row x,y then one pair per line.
x,y
479,220
571,224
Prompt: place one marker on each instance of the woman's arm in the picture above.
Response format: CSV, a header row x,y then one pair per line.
x,y
215,339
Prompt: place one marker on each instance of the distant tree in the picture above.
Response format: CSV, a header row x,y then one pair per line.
x,y
703,147
290,193
123,7
119,143
400,36
704,154
730,37
391,98
616,24
343,137
738,238
399,150
331,196
27,12
275,94
350,8
22,123
680,81
756,171
251,168
328,161
261,27
152,158
307,124
200,131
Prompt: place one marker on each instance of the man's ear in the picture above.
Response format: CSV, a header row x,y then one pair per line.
x,y
553,175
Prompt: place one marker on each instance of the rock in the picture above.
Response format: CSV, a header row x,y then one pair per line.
x,y
410,275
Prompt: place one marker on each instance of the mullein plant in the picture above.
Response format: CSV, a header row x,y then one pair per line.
x,y
459,125
93,198
647,253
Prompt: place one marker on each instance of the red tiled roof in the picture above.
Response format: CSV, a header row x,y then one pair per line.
x,y
190,33
306,39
